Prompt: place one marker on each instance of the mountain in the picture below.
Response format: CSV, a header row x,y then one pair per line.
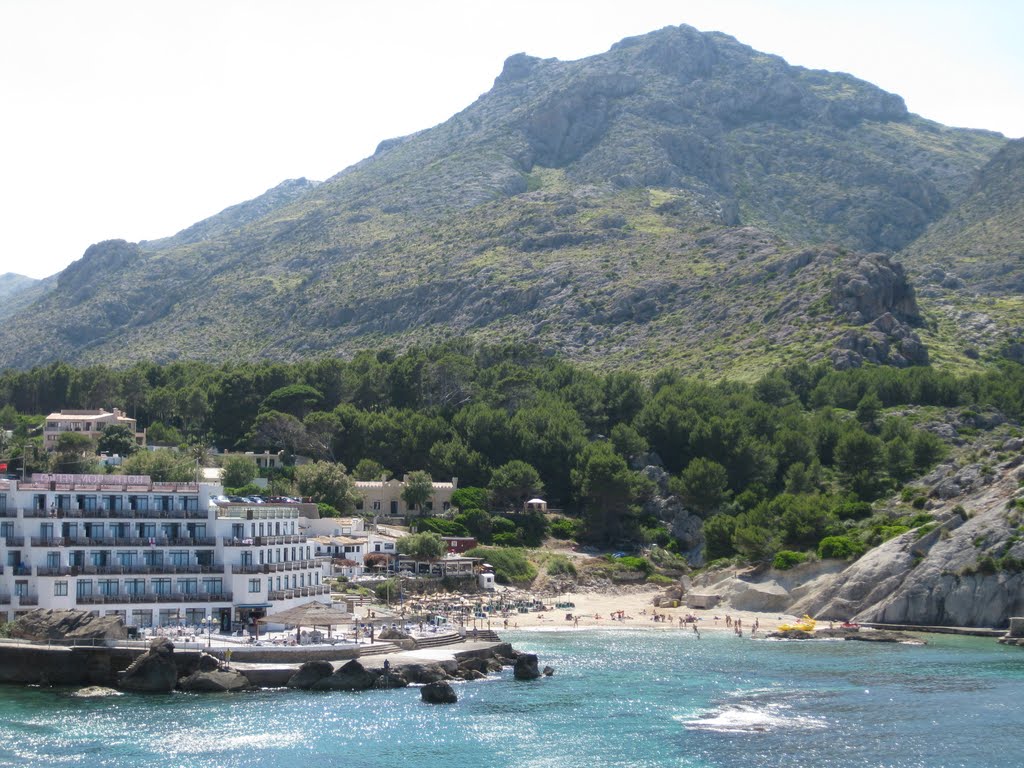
x,y
18,292
970,263
680,199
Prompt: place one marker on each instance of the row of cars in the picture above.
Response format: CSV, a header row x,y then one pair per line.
x,y
256,500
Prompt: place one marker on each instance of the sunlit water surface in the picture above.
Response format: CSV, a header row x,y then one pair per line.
x,y
618,698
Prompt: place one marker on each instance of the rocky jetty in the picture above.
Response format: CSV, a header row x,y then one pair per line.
x,y
356,675
848,633
1016,634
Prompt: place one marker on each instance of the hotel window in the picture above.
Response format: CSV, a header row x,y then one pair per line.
x,y
60,589
188,586
3,502
213,586
302,580
270,587
53,559
376,506
21,588
162,586
254,585
179,557
262,526
126,559
84,588
154,557
261,557
134,586
108,586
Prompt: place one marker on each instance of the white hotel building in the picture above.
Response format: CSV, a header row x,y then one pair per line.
x,y
152,553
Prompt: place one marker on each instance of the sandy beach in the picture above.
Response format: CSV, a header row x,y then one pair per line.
x,y
596,609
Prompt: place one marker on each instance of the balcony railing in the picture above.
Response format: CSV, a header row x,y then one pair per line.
x,y
264,541
155,597
287,594
119,541
291,565
28,599
114,514
14,541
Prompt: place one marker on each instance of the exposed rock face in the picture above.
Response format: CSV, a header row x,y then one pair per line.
x,y
875,290
962,574
216,681
153,672
526,667
310,673
424,673
60,625
349,677
438,693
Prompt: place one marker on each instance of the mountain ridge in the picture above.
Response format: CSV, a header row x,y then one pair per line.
x,y
631,208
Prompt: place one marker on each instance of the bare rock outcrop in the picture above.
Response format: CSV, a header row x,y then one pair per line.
x,y
44,624
154,671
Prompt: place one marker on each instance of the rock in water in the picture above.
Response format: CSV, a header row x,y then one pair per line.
x,y
310,673
217,681
350,677
438,693
548,671
154,671
95,692
526,667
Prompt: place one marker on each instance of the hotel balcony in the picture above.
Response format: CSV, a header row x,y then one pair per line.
x,y
288,594
126,570
117,541
264,541
154,597
290,565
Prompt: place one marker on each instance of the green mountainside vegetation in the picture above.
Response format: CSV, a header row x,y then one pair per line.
x,y
777,465
680,199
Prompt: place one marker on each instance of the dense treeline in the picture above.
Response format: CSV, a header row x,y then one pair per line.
x,y
797,442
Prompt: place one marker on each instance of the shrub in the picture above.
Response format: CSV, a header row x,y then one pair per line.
x,y
657,578
919,502
786,559
853,510
840,548
565,528
506,540
560,565
441,526
386,590
510,564
633,563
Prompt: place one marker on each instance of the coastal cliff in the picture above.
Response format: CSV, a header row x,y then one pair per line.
x,y
966,570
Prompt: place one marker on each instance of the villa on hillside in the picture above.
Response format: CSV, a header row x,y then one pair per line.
x,y
89,423
384,497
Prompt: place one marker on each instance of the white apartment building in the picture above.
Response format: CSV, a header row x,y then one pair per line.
x,y
152,553
89,423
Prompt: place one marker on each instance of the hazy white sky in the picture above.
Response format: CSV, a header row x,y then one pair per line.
x,y
136,118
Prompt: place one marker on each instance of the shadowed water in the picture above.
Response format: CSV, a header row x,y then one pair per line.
x,y
618,698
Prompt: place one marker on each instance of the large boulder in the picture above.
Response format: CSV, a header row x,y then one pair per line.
x,y
217,681
95,692
154,671
424,673
349,677
526,667
310,673
438,693
45,624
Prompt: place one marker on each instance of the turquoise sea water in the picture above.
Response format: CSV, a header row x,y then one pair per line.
x,y
619,698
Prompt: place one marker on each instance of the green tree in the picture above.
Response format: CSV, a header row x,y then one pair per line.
x,y
513,483
868,408
369,470
117,439
294,399
703,485
325,482
164,465
627,441
422,546
927,448
860,459
419,487
470,497
73,454
606,487
238,471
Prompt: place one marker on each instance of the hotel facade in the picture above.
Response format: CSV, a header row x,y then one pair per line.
x,y
152,553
